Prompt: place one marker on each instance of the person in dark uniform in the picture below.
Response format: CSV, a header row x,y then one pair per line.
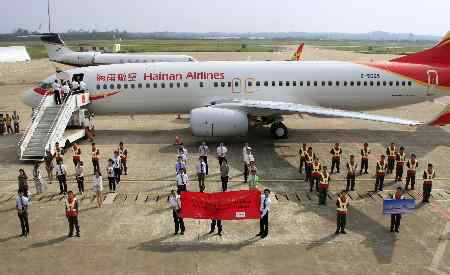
x,y
175,204
264,209
391,153
341,212
56,92
301,153
395,218
323,186
428,176
336,153
213,227
22,212
380,173
351,173
309,158
315,176
123,153
365,151
412,166
400,159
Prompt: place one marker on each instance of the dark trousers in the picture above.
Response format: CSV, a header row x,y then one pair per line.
x,y
364,166
390,165
112,183
245,172
9,129
335,162
410,178
96,165
314,182
16,128
201,182
398,173
73,222
57,97
62,183
395,221
426,192
219,226
350,182
205,159
181,188
23,218
220,160
379,182
323,196
178,221
308,171
123,167
341,220
264,225
302,163
117,174
80,182
224,183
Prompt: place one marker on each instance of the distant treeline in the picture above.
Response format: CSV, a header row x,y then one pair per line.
x,y
124,35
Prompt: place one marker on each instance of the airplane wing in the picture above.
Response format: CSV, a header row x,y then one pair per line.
x,y
259,107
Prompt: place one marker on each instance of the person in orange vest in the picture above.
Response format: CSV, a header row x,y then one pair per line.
x,y
302,152
365,151
95,155
123,153
58,155
395,218
342,203
391,153
71,205
428,176
323,186
76,154
412,166
309,158
380,173
315,175
351,173
401,159
336,153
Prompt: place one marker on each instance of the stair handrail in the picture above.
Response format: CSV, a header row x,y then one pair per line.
x,y
37,113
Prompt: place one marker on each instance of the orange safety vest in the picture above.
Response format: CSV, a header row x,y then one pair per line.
x,y
302,153
324,180
351,169
76,153
122,153
58,155
412,166
391,152
342,208
95,154
309,159
381,168
316,169
402,159
428,177
70,208
336,152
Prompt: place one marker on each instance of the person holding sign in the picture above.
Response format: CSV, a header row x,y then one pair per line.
x,y
175,204
428,176
264,209
395,218
341,212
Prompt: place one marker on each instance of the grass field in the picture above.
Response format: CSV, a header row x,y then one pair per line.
x,y
37,50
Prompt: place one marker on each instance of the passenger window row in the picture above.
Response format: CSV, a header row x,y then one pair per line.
x,y
140,85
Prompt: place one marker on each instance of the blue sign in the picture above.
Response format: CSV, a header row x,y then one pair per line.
x,y
391,206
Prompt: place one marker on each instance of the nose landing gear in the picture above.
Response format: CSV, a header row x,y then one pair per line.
x,y
278,130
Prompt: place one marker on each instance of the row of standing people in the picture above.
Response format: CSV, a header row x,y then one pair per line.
x,y
63,88
9,124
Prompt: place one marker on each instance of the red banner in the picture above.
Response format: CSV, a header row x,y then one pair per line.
x,y
233,205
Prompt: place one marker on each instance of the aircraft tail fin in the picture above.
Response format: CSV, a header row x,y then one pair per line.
x,y
438,55
297,56
55,45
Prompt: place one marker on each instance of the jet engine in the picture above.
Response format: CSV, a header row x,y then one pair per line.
x,y
210,121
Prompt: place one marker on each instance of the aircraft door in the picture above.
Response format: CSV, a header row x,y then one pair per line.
x,y
433,82
236,86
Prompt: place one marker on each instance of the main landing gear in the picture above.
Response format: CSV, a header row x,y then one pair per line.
x,y
278,130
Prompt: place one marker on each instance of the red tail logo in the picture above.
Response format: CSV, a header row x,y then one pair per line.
x,y
439,55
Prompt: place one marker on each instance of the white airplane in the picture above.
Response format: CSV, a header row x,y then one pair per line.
x,y
58,52
225,98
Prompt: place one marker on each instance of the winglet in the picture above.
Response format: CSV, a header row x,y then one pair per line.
x,y
442,119
298,53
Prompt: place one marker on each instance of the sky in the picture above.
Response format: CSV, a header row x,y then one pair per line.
x,y
346,16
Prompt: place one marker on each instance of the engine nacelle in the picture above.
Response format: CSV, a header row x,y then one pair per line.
x,y
214,122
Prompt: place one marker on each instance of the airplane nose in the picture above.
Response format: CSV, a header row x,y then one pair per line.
x,y
30,98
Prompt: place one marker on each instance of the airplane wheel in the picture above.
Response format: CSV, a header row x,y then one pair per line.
x,y
279,130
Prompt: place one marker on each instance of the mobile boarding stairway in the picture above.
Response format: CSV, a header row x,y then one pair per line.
x,y
49,123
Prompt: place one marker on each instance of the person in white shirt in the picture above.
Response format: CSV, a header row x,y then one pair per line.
x,y
98,188
221,153
264,208
175,205
116,166
247,156
201,172
79,175
61,176
65,90
111,176
203,151
22,212
183,153
37,177
56,87
179,165
83,86
182,181
75,86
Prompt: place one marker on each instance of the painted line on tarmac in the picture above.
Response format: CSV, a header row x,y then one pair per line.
x,y
440,251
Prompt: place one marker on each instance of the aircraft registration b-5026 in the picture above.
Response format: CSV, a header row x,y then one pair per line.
x,y
225,98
